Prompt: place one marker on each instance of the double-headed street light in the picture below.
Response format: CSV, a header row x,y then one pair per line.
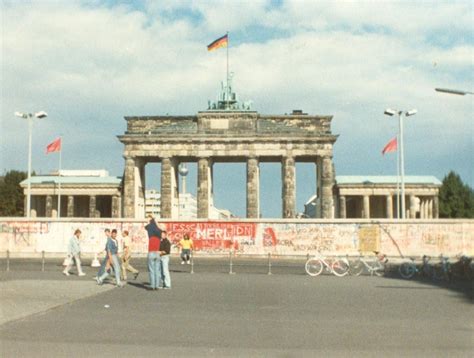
x,y
392,112
29,116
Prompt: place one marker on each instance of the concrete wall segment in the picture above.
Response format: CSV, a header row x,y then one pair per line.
x,y
251,236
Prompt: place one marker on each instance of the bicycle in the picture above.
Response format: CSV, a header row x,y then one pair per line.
x,y
375,265
315,265
408,269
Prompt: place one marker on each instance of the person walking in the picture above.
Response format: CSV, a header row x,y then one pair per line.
x,y
112,260
103,264
186,245
154,258
74,254
165,249
126,256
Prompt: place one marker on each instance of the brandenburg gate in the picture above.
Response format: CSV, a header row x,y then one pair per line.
x,y
227,131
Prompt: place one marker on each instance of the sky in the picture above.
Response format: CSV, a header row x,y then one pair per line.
x,y
90,63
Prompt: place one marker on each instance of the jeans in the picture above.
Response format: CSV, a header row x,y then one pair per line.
x,y
154,268
185,254
116,264
165,272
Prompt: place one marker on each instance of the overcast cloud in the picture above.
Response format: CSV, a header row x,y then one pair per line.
x,y
90,63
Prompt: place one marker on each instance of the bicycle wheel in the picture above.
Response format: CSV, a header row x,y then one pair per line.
x,y
313,267
356,267
340,267
407,270
379,269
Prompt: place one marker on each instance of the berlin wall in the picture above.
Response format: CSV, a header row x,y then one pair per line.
x,y
279,237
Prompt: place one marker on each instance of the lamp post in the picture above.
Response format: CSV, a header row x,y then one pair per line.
x,y
453,91
29,116
391,112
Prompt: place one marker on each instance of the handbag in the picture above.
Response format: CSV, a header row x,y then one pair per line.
x,y
67,260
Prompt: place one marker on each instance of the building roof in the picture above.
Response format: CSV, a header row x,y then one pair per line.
x,y
386,179
91,180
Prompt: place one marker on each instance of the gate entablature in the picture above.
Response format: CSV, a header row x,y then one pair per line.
x,y
227,136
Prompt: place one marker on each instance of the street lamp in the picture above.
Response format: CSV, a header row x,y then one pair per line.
x,y
453,91
29,116
391,112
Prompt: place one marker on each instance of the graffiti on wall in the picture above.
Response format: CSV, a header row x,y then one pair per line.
x,y
214,236
252,238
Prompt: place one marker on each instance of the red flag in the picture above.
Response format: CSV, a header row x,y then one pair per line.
x,y
390,147
54,146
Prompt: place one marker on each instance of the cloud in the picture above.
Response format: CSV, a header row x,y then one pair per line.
x,y
89,63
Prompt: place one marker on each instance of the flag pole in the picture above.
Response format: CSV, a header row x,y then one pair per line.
x,y
228,89
59,180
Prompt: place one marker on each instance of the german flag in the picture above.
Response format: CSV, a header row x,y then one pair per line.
x,y
220,42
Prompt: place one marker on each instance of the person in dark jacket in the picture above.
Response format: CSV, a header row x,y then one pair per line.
x,y
165,249
154,257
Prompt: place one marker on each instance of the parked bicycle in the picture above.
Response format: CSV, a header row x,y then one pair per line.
x,y
315,265
441,271
374,265
463,269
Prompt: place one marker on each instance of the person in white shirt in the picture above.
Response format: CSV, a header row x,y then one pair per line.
x,y
74,254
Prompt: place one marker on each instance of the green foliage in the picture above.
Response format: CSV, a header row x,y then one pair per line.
x,y
11,194
456,199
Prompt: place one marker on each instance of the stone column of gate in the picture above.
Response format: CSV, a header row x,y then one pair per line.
x,y
319,165
435,207
166,191
389,203
342,207
366,207
115,206
327,183
412,209
92,206
430,208
253,187
129,188
204,187
49,206
288,189
70,206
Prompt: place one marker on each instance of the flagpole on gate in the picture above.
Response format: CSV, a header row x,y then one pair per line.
x,y
59,181
228,89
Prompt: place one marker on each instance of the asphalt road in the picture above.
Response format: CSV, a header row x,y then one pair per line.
x,y
213,313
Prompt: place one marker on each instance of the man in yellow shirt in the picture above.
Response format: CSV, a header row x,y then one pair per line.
x,y
186,246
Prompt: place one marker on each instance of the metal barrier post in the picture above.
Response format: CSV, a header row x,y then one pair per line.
x,y
269,263
230,263
192,262
42,261
8,260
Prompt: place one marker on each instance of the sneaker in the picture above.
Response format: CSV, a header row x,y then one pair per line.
x,y
66,273
99,282
82,274
188,262
167,288
120,285
136,275
182,262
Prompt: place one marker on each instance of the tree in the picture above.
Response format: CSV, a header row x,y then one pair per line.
x,y
456,199
11,194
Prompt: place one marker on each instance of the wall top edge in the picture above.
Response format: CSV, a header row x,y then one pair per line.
x,y
244,220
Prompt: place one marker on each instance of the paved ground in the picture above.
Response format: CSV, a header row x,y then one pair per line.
x,y
212,313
